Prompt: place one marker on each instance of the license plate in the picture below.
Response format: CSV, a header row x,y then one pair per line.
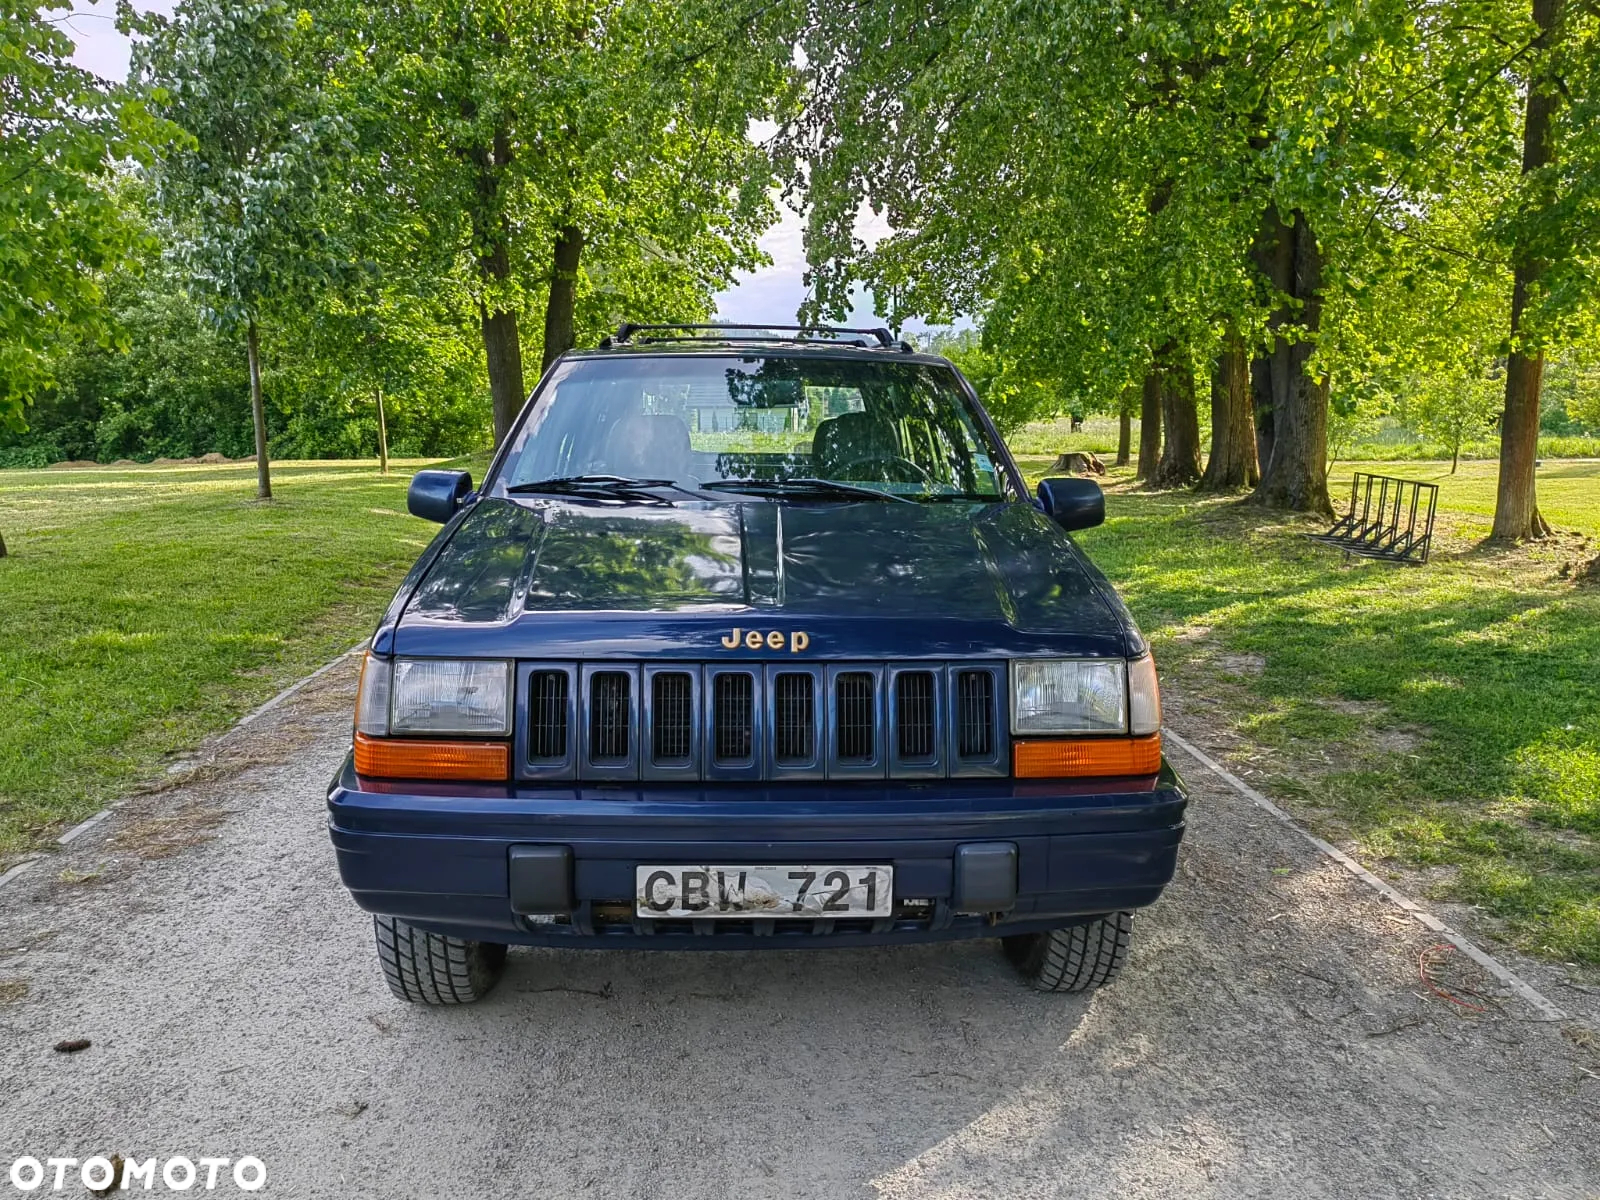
x,y
764,891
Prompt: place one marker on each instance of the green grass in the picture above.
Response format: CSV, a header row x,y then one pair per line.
x,y
1099,436
142,609
1446,718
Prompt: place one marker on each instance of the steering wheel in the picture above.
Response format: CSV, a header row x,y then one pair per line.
x,y
879,468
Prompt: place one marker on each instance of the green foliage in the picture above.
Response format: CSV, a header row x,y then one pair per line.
x,y
486,130
61,134
245,193
1097,189
1012,397
172,386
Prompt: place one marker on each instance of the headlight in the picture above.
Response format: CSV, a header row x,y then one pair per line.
x,y
1069,696
429,695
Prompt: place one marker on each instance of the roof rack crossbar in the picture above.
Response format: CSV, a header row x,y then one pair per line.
x,y
628,330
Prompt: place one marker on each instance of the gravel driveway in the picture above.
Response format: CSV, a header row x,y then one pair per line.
x,y
1270,1037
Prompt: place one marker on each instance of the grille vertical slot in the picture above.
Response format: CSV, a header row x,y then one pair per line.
x,y
547,716
733,717
610,717
794,736
914,704
974,714
856,718
672,706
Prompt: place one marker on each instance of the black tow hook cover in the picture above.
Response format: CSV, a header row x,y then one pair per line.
x,y
541,880
985,877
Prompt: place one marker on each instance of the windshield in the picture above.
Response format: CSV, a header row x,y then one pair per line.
x,y
905,428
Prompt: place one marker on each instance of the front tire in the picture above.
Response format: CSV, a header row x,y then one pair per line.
x,y
1076,959
430,968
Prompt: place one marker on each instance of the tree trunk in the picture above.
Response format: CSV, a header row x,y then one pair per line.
x,y
1516,505
1261,402
258,411
1180,421
383,437
560,313
1296,476
1125,432
1150,424
503,354
1233,462
502,347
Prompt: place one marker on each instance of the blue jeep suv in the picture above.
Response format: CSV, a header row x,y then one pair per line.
x,y
753,638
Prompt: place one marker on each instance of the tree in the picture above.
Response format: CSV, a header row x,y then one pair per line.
x,y
588,158
243,194
62,134
1551,225
1131,176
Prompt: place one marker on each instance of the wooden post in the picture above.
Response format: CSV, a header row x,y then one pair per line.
x,y
383,438
258,412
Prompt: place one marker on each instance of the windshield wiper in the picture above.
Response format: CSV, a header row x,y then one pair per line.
x,y
619,487
801,486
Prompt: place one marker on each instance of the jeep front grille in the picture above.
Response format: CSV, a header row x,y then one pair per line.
x,y
672,706
974,714
758,721
856,717
547,716
914,715
733,717
794,725
609,716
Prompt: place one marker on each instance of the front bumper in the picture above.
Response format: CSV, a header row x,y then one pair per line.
x,y
442,856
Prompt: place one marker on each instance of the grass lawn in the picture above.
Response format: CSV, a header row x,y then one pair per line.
x,y
142,609
1445,718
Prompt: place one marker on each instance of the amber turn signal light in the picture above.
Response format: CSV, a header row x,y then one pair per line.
x,y
407,758
1074,758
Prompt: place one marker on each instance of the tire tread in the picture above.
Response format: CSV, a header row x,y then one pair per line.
x,y
430,968
1075,959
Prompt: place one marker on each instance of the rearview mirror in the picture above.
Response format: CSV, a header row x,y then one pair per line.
x,y
436,495
1073,503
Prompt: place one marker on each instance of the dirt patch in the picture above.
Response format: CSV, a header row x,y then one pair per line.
x,y
1586,574
1388,738
1240,664
214,459
164,836
12,990
73,464
175,462
125,462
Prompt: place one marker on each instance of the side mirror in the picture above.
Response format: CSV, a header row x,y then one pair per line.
x,y
1073,503
436,495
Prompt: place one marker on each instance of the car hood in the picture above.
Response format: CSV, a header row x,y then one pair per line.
x,y
553,578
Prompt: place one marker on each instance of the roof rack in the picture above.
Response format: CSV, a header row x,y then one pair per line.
x,y
628,334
